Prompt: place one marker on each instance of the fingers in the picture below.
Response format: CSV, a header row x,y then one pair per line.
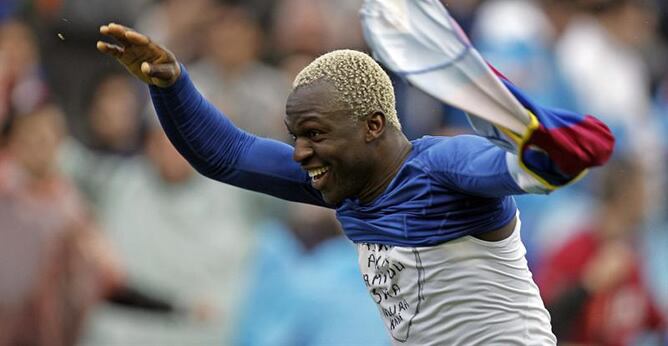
x,y
127,37
110,49
146,60
115,31
124,35
137,38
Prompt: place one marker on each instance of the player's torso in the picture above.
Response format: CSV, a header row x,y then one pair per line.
x,y
462,292
417,210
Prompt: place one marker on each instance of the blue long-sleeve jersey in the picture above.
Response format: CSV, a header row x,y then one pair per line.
x,y
448,187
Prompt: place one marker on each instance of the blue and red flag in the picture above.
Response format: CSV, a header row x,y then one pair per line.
x,y
559,140
421,42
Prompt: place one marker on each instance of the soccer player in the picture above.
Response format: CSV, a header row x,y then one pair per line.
x,y
433,220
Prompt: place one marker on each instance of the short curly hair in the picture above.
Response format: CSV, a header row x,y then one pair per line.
x,y
361,83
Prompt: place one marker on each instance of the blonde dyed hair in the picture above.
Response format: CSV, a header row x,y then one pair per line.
x,y
363,87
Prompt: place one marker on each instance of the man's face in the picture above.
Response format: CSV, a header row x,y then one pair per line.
x,y
329,145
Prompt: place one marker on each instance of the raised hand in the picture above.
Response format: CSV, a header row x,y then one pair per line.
x,y
145,59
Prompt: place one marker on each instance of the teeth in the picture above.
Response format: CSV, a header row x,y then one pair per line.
x,y
317,171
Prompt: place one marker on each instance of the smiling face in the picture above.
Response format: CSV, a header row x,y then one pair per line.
x,y
335,150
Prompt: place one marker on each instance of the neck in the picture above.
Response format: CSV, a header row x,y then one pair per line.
x,y
392,156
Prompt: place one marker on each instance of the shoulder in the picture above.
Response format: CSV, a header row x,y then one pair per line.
x,y
435,142
432,147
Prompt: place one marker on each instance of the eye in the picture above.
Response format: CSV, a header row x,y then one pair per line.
x,y
314,135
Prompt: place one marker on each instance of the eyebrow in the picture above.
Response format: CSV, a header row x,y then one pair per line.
x,y
308,118
304,119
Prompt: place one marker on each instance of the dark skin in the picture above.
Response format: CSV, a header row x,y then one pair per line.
x,y
350,159
362,156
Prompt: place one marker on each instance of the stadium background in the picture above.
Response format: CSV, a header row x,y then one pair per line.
x,y
107,237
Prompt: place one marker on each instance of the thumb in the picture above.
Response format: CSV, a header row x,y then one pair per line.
x,y
162,75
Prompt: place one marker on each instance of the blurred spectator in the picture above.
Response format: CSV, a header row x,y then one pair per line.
x,y
84,15
593,284
234,79
310,28
67,31
22,88
599,55
602,58
184,239
188,22
54,264
114,118
519,37
304,284
298,27
116,130
314,27
342,25
114,115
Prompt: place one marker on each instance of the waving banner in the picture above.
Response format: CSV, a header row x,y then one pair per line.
x,y
421,42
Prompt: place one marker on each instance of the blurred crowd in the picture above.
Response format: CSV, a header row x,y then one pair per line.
x,y
108,237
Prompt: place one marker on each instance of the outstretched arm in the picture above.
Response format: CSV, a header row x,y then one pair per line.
x,y
201,133
221,151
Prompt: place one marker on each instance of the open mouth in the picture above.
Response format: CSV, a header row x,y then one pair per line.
x,y
317,176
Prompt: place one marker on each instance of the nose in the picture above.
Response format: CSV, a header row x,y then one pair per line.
x,y
303,151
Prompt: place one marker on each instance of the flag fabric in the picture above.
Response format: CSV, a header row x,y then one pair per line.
x,y
419,41
560,141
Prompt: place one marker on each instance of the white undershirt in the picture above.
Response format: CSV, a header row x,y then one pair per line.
x,y
463,292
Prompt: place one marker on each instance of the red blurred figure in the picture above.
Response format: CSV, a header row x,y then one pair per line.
x,y
593,284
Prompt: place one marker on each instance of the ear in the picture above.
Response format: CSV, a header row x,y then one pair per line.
x,y
375,125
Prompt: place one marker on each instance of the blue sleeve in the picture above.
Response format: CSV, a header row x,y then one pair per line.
x,y
221,151
471,165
